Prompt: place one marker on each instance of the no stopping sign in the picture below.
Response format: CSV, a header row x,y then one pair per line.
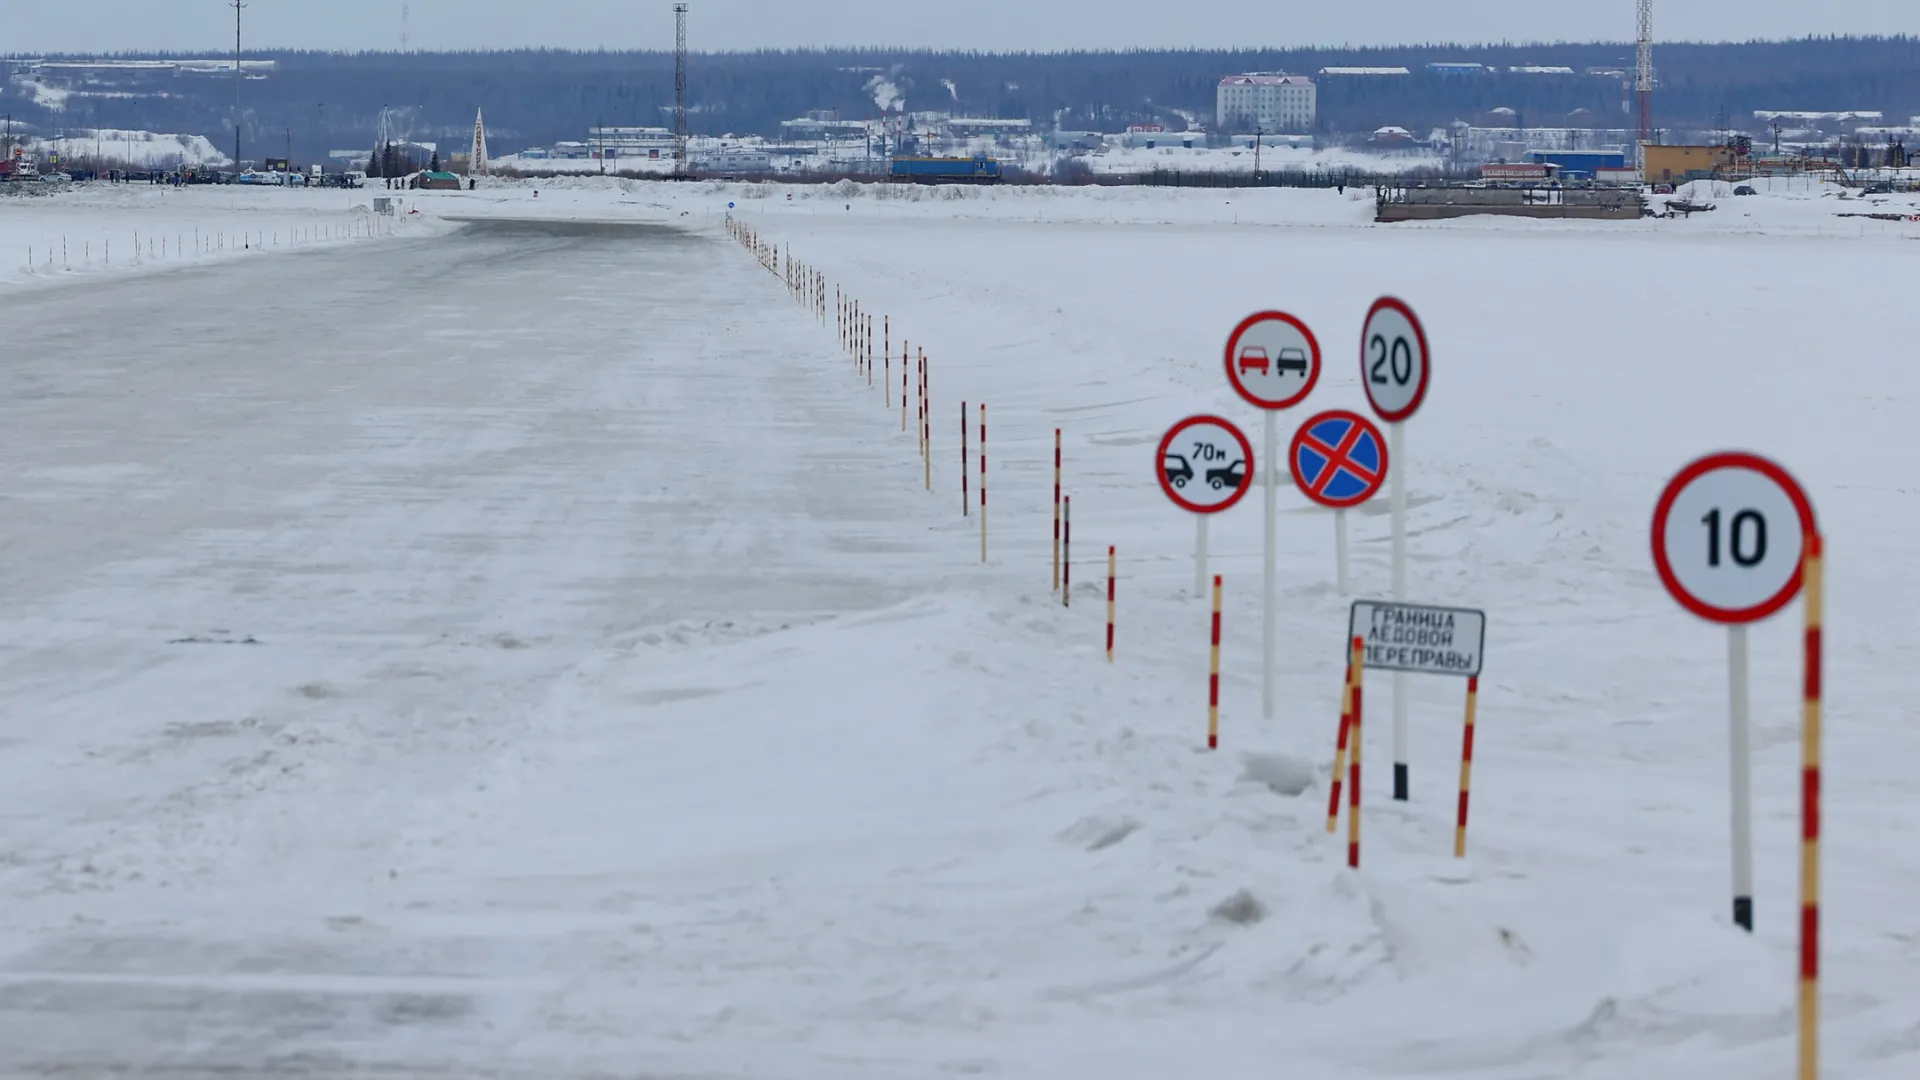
x,y
1729,537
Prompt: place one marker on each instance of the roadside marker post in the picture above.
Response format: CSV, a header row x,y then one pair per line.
x,y
886,375
1421,639
1466,769
1354,657
1395,367
983,483
1205,465
1066,552
1731,533
1338,460
926,424
1056,509
903,384
1273,362
1111,568
1813,601
1213,674
964,509
1340,742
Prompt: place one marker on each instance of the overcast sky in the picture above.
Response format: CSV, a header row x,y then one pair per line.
x,y
100,25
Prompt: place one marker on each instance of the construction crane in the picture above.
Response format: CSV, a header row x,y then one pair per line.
x,y
1643,76
680,91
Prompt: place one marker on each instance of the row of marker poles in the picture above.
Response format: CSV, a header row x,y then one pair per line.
x,y
178,248
855,328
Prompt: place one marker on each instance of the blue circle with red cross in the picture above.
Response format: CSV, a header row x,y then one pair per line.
x,y
1338,459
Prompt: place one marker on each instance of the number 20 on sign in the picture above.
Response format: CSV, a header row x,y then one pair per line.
x,y
1734,541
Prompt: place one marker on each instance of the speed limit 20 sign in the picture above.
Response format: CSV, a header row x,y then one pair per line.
x,y
1393,360
1729,537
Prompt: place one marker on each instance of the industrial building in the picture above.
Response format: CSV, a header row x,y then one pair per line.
x,y
1269,101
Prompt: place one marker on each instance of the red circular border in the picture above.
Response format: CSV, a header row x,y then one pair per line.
x,y
1300,436
1233,376
1426,359
1160,456
1731,459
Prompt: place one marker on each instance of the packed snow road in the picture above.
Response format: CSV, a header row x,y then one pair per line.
x,y
308,563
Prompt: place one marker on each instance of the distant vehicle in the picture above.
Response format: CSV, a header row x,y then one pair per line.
x,y
1294,360
931,170
1253,358
1745,189
1663,189
1179,474
1230,476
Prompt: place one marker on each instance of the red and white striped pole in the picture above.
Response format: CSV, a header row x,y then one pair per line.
x,y
1340,747
1813,600
886,374
1354,742
1466,768
1110,598
903,384
926,423
1213,674
1066,552
965,506
1056,509
983,483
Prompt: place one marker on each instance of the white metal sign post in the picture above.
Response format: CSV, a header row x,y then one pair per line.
x,y
1205,465
1273,361
1730,535
1394,368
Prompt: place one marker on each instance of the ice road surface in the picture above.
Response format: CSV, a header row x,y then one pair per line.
x,y
526,650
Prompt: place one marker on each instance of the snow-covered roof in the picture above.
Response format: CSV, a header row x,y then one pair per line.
x,y
1255,79
1365,71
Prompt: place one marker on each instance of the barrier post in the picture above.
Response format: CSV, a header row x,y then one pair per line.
x,y
1813,601
1213,674
926,425
983,483
965,509
1110,598
1358,659
1056,509
1066,552
1466,768
903,385
1340,747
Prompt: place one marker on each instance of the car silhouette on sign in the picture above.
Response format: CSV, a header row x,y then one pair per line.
x,y
1229,476
1253,358
1294,360
1177,474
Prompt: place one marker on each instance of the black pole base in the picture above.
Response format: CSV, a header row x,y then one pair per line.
x,y
1400,781
1743,912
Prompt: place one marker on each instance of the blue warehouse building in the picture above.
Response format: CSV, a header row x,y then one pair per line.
x,y
1579,164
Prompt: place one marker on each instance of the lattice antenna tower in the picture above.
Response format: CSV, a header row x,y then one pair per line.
x,y
237,7
679,89
1643,73
477,155
406,27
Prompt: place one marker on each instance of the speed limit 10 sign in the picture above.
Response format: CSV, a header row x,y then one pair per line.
x,y
1729,537
1393,360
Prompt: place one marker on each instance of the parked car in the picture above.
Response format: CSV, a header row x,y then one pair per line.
x,y
1745,189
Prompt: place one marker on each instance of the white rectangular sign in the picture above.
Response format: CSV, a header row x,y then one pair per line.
x,y
1420,638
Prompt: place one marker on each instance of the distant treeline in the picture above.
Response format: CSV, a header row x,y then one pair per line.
x,y
322,101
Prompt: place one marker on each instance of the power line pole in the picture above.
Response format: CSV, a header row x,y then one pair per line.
x,y
680,91
237,5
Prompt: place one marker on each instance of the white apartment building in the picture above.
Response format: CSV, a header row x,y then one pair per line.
x,y
1266,100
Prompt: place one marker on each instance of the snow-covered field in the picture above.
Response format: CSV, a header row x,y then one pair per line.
x,y
551,664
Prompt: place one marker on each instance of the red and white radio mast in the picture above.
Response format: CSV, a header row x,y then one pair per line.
x,y
1643,75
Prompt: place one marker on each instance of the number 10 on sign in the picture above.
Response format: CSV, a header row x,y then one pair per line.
x,y
1730,536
